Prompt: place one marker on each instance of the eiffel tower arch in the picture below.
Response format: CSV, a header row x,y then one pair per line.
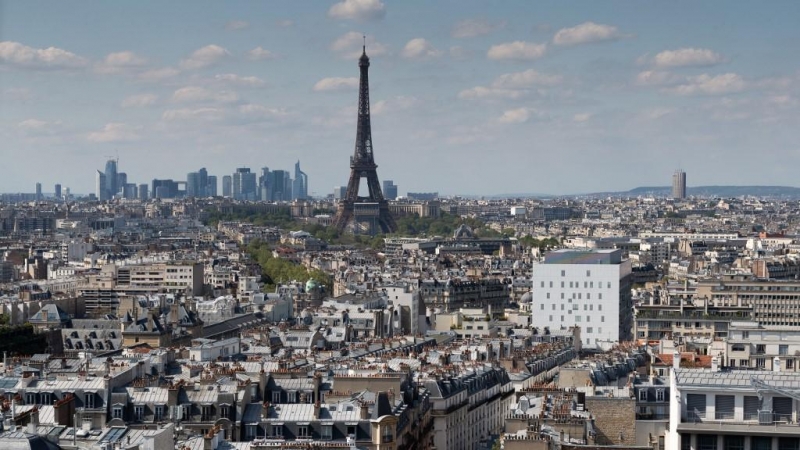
x,y
370,214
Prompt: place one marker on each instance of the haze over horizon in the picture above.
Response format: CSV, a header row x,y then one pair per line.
x,y
566,98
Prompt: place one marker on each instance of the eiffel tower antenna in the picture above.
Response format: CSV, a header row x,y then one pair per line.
x,y
373,209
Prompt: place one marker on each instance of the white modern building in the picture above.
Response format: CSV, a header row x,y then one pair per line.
x,y
585,288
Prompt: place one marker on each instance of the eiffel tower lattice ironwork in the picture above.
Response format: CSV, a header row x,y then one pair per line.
x,y
374,207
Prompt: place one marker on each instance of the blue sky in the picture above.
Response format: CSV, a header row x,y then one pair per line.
x,y
467,97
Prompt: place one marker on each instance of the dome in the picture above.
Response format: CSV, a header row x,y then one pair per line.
x,y
311,285
526,298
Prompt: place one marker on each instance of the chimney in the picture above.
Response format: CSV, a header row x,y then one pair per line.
x,y
34,421
776,364
715,364
316,409
676,360
364,411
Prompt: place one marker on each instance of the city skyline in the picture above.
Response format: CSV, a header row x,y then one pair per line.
x,y
577,91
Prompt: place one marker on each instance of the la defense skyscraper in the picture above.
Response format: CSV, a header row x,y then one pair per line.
x,y
370,212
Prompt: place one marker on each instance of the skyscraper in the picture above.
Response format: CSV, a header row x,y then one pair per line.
x,y
679,185
211,186
300,183
280,186
389,190
57,192
193,185
122,180
111,185
202,183
38,191
100,186
227,188
143,192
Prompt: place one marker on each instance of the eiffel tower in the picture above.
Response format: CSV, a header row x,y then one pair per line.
x,y
372,210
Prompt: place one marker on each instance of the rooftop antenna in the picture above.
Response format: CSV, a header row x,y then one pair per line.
x,y
364,36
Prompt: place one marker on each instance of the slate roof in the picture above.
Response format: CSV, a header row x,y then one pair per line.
x,y
735,378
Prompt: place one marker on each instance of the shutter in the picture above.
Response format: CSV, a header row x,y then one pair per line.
x,y
696,406
724,405
782,407
751,406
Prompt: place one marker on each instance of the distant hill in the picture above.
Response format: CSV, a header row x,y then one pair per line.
x,y
718,191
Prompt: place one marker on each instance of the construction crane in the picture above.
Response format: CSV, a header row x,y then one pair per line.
x,y
765,415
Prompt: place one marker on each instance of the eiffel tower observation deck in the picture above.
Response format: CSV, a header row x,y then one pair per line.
x,y
369,214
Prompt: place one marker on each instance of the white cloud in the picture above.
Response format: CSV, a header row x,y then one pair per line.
x,y
115,132
236,25
205,56
253,111
486,92
518,51
238,80
473,27
711,85
656,78
119,61
419,48
582,117
687,57
258,54
187,114
285,23
37,127
32,124
350,46
398,103
656,113
526,79
191,94
360,10
159,74
139,101
336,84
16,54
585,33
517,115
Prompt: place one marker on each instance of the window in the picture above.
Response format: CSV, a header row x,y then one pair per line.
x,y
761,363
761,349
89,400
30,398
551,318
205,412
642,395
327,432
608,285
577,319
562,319
277,430
542,310
553,306
551,284
790,363
599,330
783,350
588,273
588,318
562,284
158,414
351,431
788,443
116,413
138,412
588,296
562,306
250,431
733,442
599,295
602,318
224,411
542,283
563,274
387,435
737,348
589,329
659,395
599,306
744,363
292,397
745,335
276,395
302,431
548,296
44,398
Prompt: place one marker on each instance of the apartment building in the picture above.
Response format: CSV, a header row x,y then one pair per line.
x,y
585,288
